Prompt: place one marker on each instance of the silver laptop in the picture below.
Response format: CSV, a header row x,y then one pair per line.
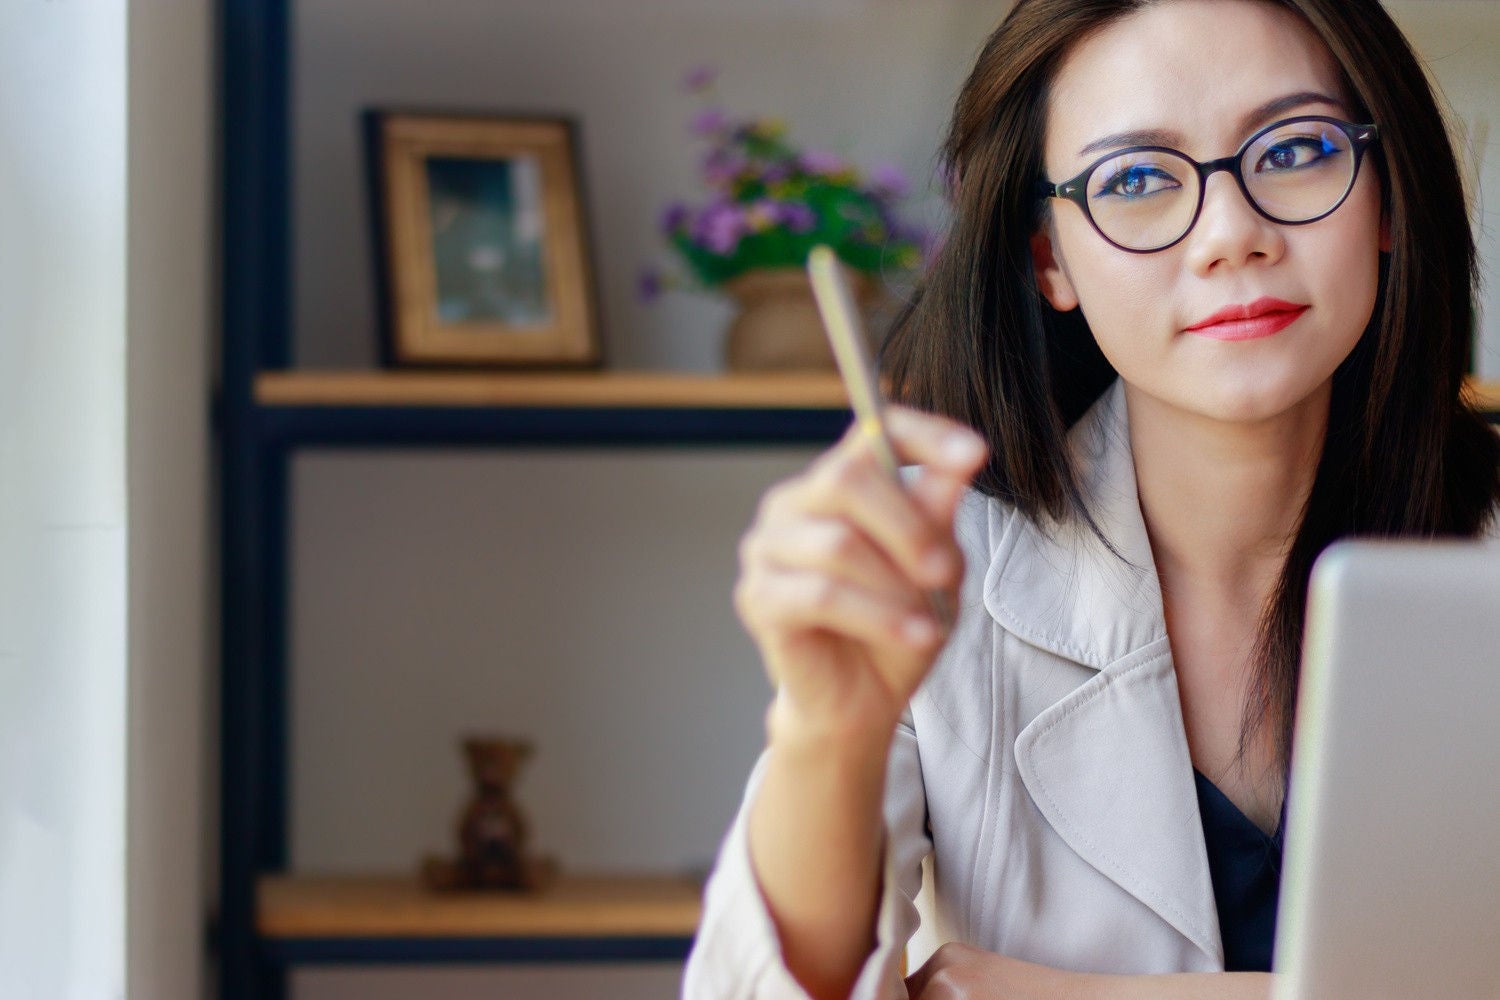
x,y
1391,882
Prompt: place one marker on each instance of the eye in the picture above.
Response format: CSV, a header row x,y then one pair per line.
x,y
1137,181
1298,151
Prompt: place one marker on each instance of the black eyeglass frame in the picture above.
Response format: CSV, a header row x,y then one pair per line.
x,y
1361,138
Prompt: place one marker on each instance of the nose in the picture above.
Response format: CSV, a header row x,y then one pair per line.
x,y
1230,232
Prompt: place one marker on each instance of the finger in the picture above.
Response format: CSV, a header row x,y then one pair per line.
x,y
935,441
774,602
938,488
834,547
936,493
850,485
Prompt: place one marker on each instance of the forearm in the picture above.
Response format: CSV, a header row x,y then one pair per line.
x,y
815,836
961,970
1179,986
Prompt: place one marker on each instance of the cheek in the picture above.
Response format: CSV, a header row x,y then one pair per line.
x,y
1351,260
1121,295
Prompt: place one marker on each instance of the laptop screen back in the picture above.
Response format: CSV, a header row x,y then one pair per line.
x,y
1391,884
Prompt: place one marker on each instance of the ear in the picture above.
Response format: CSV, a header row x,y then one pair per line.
x,y
1051,278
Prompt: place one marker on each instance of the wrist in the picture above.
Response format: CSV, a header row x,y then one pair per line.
x,y
845,734
1076,986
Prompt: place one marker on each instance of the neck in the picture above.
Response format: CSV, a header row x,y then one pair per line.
x,y
1222,501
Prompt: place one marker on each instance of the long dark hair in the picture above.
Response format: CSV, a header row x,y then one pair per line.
x,y
1405,453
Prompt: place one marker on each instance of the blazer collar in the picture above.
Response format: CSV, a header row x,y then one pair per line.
x,y
1108,765
1057,585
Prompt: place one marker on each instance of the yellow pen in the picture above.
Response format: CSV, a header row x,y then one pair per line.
x,y
846,335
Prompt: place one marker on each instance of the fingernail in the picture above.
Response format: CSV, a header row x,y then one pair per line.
x,y
962,448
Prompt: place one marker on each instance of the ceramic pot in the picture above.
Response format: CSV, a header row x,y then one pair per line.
x,y
778,327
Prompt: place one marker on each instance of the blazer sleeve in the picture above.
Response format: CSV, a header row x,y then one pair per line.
x,y
736,954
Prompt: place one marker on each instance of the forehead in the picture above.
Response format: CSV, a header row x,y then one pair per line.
x,y
1193,67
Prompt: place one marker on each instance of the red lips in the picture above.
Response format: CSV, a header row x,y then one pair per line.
x,y
1259,307
1261,318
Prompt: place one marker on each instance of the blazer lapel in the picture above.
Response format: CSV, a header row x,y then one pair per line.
x,y
1108,765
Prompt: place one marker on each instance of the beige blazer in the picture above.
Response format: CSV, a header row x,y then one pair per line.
x,y
1043,763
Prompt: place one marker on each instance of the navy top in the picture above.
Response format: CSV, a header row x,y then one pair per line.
x,y
1245,865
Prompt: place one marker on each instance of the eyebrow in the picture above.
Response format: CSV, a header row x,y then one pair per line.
x,y
1166,137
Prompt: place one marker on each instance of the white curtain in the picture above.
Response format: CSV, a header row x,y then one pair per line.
x,y
62,499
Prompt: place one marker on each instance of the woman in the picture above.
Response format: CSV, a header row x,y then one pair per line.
x,y
1207,302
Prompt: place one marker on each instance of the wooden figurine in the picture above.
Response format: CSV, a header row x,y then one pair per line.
x,y
492,832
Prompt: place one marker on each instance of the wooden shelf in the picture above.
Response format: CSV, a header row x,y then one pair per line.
x,y
657,390
549,389
379,906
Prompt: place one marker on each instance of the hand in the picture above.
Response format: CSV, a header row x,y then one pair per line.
x,y
835,569
962,972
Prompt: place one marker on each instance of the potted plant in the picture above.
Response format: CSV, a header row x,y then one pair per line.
x,y
769,203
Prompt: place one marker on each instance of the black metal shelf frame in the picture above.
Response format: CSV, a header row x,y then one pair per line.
x,y
256,297
566,427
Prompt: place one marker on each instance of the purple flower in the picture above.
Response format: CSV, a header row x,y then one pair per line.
x,y
721,166
796,216
676,218
902,232
761,215
699,79
819,161
889,181
776,172
720,228
914,245
709,122
648,284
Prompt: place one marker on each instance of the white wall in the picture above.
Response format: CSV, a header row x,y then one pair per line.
x,y
171,753
62,501
1460,42
105,281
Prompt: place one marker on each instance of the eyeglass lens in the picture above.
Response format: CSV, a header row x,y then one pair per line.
x,y
1297,172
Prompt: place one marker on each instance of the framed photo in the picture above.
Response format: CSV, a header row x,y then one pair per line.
x,y
482,255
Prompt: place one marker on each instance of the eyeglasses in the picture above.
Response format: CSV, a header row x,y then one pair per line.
x,y
1148,198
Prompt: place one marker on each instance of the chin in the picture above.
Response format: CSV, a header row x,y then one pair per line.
x,y
1253,404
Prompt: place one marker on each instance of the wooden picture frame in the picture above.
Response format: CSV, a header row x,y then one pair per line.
x,y
482,249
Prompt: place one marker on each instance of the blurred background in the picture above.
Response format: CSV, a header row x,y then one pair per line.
x,y
577,598
581,599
